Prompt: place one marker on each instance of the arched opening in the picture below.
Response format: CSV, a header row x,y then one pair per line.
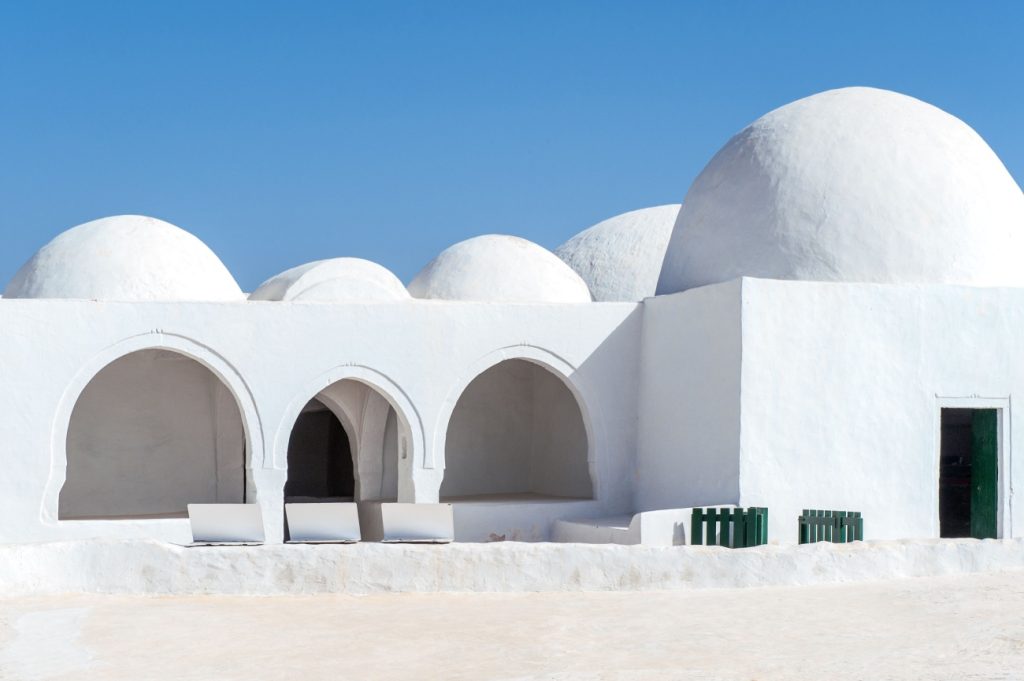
x,y
516,432
152,432
320,464
345,445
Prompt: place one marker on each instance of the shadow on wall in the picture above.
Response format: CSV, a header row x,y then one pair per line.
x,y
613,370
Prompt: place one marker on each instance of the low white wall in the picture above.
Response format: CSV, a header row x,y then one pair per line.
x,y
149,567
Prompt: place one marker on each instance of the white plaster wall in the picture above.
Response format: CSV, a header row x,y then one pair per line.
x,y
689,407
558,464
151,433
275,357
487,448
842,385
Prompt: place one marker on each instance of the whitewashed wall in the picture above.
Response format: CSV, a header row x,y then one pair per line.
x,y
274,357
842,387
690,401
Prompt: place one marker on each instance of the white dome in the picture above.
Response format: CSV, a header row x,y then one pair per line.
x,y
620,258
855,184
501,269
125,258
334,280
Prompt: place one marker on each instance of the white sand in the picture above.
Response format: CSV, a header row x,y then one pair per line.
x,y
962,627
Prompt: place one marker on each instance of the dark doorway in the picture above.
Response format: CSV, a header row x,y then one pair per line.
x,y
968,473
319,458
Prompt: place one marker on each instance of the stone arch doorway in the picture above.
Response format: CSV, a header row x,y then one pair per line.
x,y
351,440
320,466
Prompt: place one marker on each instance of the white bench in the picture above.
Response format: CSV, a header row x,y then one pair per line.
x,y
391,522
322,523
226,524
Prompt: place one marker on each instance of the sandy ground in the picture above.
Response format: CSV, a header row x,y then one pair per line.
x,y
964,627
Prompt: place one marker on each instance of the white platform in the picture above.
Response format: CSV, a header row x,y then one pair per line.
x,y
667,527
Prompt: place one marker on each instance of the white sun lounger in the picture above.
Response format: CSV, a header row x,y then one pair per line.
x,y
322,523
417,523
225,524
401,522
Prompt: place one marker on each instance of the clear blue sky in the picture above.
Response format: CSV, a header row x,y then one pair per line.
x,y
291,131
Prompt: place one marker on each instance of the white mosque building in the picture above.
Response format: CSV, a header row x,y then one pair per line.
x,y
832,319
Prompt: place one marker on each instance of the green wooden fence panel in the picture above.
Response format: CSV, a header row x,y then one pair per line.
x,y
816,525
734,528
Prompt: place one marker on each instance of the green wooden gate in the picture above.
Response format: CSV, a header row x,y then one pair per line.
x,y
834,526
733,527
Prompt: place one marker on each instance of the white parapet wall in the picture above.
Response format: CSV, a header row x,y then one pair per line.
x,y
155,568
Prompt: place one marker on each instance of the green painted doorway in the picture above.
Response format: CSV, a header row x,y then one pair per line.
x,y
969,473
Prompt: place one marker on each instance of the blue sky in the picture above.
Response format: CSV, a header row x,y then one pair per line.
x,y
286,132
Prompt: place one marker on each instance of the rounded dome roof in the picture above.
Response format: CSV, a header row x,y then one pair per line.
x,y
856,184
334,280
499,268
620,258
125,258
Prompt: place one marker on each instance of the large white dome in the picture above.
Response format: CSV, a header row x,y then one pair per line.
x,y
334,280
855,184
125,258
620,258
502,269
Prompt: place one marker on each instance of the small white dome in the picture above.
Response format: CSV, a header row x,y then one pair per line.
x,y
334,280
125,258
620,258
499,268
856,184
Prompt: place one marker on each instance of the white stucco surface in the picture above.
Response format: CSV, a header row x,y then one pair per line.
x,y
499,268
689,406
858,185
841,395
620,258
125,258
132,567
274,358
334,280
